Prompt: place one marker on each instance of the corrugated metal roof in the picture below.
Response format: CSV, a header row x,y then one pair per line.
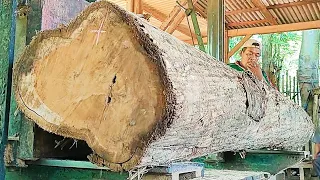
x,y
239,13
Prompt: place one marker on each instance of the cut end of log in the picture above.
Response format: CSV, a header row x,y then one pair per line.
x,y
93,81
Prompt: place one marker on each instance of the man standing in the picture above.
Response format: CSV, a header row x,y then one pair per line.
x,y
250,53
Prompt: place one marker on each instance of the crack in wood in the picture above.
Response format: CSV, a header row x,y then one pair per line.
x,y
255,96
27,106
108,99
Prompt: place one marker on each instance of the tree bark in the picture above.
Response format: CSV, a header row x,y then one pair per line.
x,y
267,58
271,59
138,96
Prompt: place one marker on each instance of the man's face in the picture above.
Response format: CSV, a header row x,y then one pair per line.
x,y
251,54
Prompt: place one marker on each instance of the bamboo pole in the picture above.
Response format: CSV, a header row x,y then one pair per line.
x,y
287,83
298,91
315,116
294,89
290,86
282,84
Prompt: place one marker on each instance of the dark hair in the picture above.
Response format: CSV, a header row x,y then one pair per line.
x,y
243,49
256,44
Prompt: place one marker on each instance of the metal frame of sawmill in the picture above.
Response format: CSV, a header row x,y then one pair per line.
x,y
21,134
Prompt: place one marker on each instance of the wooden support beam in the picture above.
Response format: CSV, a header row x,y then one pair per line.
x,y
265,11
138,7
186,30
173,14
226,47
189,41
270,29
130,5
238,46
135,6
162,17
176,22
242,11
181,15
233,24
275,28
154,12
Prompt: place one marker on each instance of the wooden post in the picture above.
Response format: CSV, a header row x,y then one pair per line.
x,y
7,42
34,19
315,116
26,148
226,47
138,9
130,5
294,89
298,90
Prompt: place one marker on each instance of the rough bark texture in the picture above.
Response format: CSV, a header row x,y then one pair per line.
x,y
268,61
166,100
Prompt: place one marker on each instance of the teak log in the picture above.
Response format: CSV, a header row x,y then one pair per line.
x,y
138,96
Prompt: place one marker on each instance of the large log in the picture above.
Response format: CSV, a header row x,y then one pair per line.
x,y
138,96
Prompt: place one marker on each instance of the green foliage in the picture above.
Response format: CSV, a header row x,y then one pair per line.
x,y
278,53
286,43
232,43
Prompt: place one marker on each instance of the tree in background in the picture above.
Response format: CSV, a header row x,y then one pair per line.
x,y
275,47
308,76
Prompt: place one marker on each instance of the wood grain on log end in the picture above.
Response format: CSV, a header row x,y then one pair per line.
x,y
92,80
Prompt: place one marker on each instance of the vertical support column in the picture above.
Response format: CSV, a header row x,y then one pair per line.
x,y
196,25
34,19
15,117
138,9
135,6
5,22
226,47
7,43
26,128
130,5
216,28
315,119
